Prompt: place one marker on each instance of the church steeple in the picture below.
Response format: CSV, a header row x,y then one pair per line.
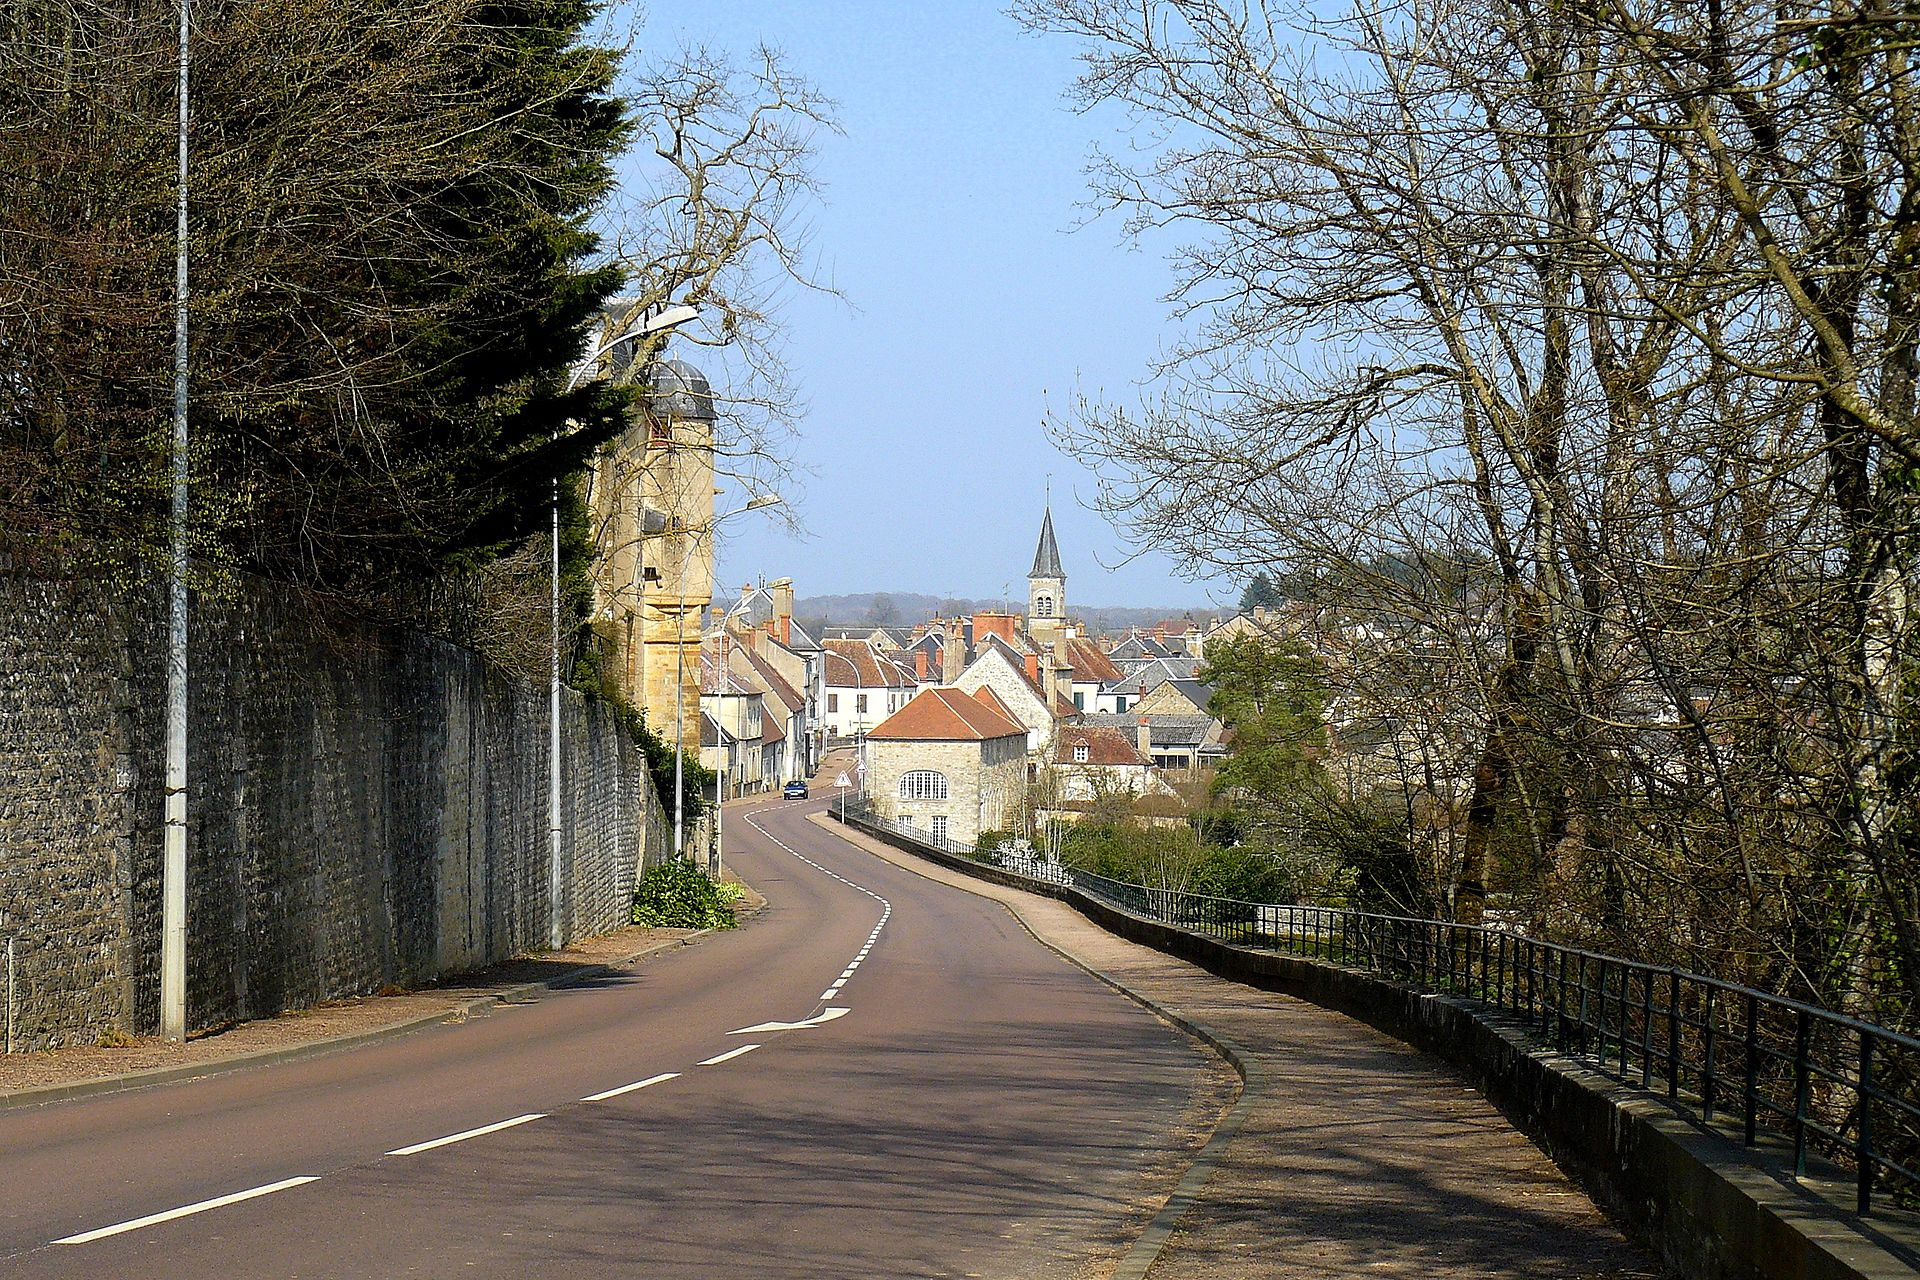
x,y
1046,585
1046,557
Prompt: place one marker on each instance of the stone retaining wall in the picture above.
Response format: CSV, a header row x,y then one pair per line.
x,y
367,806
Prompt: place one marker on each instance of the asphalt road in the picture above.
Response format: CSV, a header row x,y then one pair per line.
x,y
964,1103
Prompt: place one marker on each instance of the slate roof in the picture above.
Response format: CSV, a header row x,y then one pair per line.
x,y
1149,676
1137,648
948,715
1046,556
1166,730
1193,691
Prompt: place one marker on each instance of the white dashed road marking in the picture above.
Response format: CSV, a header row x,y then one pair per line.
x,y
184,1211
886,908
730,1054
662,1078
452,1138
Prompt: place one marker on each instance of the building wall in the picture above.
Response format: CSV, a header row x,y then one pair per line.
x,y
994,671
986,782
367,807
840,708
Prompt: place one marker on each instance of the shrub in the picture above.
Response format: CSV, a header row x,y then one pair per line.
x,y
678,895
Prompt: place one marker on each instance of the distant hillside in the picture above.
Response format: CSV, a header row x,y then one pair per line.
x,y
904,608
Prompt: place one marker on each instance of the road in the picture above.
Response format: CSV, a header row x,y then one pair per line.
x,y
963,1102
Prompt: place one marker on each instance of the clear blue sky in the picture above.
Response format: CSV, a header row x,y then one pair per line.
x,y
972,305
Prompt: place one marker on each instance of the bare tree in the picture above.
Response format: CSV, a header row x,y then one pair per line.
x,y
1547,341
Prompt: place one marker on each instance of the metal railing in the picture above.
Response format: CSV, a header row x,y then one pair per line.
x,y
1828,1084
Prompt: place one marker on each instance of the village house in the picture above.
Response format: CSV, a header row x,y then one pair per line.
x,y
763,620
1092,762
738,752
862,688
948,764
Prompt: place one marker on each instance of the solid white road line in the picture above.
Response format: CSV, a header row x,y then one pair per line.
x,y
719,1058
662,1078
184,1211
826,1015
452,1138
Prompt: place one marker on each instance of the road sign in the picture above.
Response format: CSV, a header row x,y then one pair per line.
x,y
842,781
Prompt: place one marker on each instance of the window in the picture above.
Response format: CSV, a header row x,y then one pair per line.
x,y
923,784
1043,606
940,828
1121,702
833,702
1080,701
860,704
1080,753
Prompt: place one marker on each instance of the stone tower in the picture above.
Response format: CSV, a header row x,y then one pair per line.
x,y
652,507
1046,587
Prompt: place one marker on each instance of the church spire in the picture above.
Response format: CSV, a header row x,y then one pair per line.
x,y
1046,557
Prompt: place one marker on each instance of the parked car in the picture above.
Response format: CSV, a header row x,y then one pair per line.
x,y
796,790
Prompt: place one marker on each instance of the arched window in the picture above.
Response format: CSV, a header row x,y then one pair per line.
x,y
923,784
1043,607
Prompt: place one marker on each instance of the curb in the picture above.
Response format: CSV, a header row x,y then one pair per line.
x,y
40,1095
1158,1233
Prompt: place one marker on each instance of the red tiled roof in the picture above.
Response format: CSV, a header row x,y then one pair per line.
x,y
1089,663
1104,746
862,667
948,715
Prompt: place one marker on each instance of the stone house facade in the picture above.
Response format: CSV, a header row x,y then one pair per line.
x,y
949,764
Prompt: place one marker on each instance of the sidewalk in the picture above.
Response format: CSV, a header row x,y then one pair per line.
x,y
27,1079
1349,1154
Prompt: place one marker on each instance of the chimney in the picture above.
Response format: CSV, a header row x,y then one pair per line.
x,y
1033,668
952,654
1053,684
782,593
1143,738
920,665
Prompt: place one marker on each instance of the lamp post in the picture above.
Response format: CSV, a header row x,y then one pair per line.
x,y
756,503
659,322
173,862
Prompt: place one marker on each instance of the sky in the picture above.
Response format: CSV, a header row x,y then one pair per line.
x,y
972,305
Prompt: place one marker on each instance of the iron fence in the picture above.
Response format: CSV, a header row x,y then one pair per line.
x,y
1828,1084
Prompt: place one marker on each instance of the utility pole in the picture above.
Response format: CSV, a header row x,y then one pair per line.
x,y
173,874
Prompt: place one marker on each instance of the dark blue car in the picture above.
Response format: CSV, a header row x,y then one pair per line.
x,y
796,790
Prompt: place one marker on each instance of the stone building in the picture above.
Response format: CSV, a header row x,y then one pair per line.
x,y
949,764
650,498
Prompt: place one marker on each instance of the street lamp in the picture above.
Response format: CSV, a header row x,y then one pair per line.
x,y
659,322
755,503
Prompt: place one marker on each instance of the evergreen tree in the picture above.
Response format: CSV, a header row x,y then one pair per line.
x,y
392,270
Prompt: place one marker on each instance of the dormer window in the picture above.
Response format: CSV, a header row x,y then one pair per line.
x,y
1080,753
